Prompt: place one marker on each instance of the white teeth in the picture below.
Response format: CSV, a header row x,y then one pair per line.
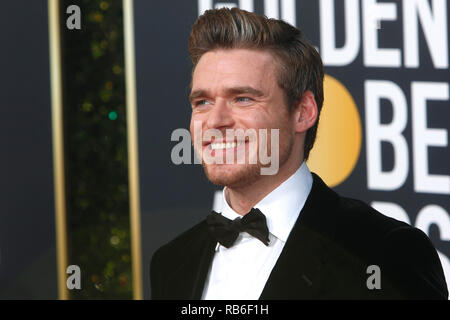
x,y
219,146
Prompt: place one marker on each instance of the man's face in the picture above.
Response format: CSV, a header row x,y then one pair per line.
x,y
238,89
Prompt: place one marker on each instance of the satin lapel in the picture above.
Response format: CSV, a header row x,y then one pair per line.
x,y
196,257
205,260
296,275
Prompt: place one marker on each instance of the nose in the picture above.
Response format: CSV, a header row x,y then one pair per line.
x,y
220,116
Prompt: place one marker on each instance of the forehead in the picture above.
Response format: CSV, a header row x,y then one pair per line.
x,y
234,67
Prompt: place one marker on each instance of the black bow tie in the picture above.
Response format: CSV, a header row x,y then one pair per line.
x,y
226,231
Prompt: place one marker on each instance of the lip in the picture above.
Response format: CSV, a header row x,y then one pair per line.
x,y
207,143
208,148
216,152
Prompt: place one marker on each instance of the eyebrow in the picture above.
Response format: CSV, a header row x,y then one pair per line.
x,y
229,91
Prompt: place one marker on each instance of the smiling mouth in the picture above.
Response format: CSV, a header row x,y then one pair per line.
x,y
225,145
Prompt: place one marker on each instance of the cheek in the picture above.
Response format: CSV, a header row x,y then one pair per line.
x,y
196,124
191,130
253,119
283,119
269,121
191,127
197,131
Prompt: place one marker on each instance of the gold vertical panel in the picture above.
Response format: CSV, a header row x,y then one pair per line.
x,y
133,160
58,145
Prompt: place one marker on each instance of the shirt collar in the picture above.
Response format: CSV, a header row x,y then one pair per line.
x,y
282,206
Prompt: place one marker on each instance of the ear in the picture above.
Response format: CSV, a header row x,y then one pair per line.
x,y
305,113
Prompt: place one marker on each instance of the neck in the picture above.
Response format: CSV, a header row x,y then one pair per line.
x,y
243,199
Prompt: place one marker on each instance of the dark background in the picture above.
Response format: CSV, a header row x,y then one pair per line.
x,y
27,224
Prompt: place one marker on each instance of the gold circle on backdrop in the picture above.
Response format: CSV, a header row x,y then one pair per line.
x,y
338,142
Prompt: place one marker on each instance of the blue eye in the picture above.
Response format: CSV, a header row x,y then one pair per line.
x,y
243,99
202,102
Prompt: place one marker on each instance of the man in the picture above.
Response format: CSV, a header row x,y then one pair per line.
x,y
284,235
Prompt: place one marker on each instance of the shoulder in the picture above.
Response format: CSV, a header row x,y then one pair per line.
x,y
181,245
166,261
350,216
354,221
358,215
405,254
360,226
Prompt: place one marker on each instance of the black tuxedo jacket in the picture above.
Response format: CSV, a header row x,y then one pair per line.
x,y
326,256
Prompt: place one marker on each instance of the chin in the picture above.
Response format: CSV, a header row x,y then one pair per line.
x,y
232,176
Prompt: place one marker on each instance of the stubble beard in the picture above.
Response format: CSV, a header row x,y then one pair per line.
x,y
236,176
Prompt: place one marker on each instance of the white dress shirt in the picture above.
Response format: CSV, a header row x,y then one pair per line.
x,y
241,271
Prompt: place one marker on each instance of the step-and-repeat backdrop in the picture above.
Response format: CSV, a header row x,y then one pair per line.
x,y
386,103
